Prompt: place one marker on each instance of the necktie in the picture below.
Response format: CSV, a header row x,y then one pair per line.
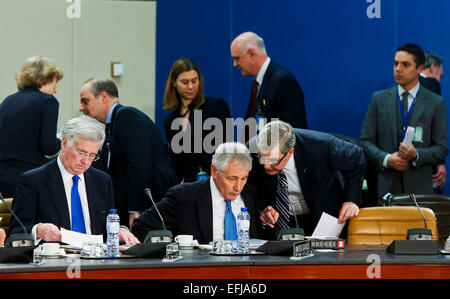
x,y
230,223
405,102
282,203
77,211
251,110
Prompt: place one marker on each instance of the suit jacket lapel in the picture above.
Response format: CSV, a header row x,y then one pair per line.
x,y
204,209
57,192
391,106
94,211
419,108
302,168
265,83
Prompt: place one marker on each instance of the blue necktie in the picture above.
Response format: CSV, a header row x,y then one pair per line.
x,y
230,223
77,211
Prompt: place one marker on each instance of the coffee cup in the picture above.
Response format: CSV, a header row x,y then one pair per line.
x,y
184,240
49,248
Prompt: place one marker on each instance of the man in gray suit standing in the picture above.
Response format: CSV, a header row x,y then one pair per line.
x,y
404,169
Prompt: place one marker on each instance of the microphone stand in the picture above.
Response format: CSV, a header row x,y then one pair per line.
x,y
419,233
157,236
18,240
290,234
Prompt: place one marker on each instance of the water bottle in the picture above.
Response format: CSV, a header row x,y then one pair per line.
x,y
260,120
201,175
112,228
243,225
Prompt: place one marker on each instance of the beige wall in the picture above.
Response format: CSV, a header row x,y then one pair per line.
x,y
107,31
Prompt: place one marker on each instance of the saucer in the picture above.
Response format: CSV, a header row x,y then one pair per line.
x,y
191,246
51,256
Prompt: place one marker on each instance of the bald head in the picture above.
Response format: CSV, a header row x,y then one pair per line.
x,y
249,53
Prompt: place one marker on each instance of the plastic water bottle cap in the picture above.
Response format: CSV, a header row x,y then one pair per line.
x,y
112,211
244,209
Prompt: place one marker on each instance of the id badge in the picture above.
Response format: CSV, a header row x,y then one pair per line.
x,y
418,136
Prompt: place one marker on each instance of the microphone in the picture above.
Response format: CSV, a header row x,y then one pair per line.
x,y
157,236
419,233
18,240
291,234
387,198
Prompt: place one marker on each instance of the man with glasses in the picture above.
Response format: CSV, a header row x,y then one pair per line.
x,y
134,153
67,193
304,173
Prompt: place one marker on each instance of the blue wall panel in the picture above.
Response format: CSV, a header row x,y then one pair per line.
x,y
338,54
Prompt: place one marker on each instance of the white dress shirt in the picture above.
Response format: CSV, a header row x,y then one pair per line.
x,y
295,193
219,207
68,183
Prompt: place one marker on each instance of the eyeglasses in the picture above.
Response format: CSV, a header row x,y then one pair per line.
x,y
271,160
91,156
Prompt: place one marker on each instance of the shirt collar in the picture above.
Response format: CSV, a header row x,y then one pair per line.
x,y
262,71
110,111
290,165
413,91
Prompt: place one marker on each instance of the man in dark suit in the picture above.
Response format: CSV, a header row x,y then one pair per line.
x,y
275,91
432,72
134,153
430,78
406,168
202,208
66,193
308,171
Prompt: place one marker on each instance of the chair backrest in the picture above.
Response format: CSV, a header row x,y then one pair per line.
x,y
382,225
439,203
5,214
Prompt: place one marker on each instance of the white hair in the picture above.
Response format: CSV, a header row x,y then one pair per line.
x,y
232,152
276,133
85,127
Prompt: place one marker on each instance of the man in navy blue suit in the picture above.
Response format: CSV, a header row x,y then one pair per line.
x,y
67,193
134,154
275,91
319,173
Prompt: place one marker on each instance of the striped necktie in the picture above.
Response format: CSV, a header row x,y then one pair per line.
x,y
77,211
282,203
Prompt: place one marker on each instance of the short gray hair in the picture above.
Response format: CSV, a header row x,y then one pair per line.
x,y
276,133
252,40
85,127
231,152
98,85
432,58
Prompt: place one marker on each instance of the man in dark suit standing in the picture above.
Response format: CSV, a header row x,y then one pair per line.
x,y
406,168
304,173
134,153
432,72
67,193
430,78
275,91
208,209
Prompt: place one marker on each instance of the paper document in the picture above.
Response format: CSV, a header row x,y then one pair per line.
x,y
328,227
78,239
409,136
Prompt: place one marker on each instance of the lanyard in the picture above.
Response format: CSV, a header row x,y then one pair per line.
x,y
405,118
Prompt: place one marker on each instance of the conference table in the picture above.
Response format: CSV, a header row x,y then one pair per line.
x,y
360,261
